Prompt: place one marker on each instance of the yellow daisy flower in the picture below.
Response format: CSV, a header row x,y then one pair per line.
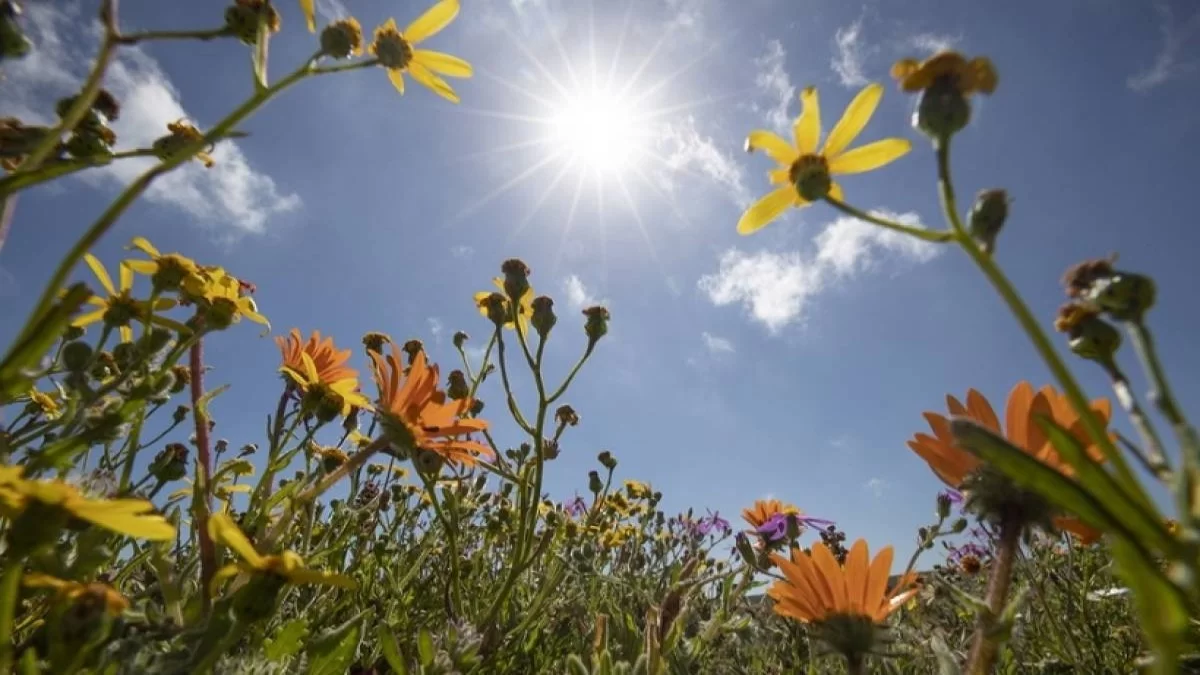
x,y
395,51
120,309
967,76
102,594
223,291
167,272
131,517
804,171
49,406
288,565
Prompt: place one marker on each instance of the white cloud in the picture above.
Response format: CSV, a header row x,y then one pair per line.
x,y
462,252
1176,34
685,149
772,79
331,10
435,328
578,296
877,486
933,43
850,54
231,192
776,287
716,345
773,287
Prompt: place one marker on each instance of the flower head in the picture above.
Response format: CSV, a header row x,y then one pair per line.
x,y
775,528
288,565
395,51
804,172
418,415
318,366
968,77
181,135
224,296
524,307
104,595
953,464
342,39
46,404
120,309
167,272
764,509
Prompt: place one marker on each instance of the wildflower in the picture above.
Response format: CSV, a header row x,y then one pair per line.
x,y
120,309
775,528
331,458
1088,335
166,272
45,404
484,300
953,464
342,39
804,172
970,565
170,463
416,415
946,81
1124,296
318,369
39,508
287,567
842,604
637,489
181,136
764,509
576,507
241,19
104,595
713,521
395,51
374,341
224,296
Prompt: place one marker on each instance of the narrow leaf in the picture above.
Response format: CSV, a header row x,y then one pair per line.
x,y
287,641
425,647
333,652
391,651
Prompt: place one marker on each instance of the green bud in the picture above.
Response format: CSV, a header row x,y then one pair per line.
x,y
596,325
1095,339
959,526
550,449
595,485
543,318
606,459
428,462
460,338
943,505
73,333
181,413
76,356
1126,296
496,307
942,110
987,216
170,464
256,600
476,407
457,387
13,42
125,354
241,20
516,279
85,144
155,341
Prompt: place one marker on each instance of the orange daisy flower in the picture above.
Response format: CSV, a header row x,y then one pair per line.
x,y
418,415
764,509
319,363
817,588
953,464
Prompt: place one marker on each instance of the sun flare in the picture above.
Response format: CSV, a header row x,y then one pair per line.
x,y
599,130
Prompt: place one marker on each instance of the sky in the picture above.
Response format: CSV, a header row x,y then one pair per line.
x,y
602,143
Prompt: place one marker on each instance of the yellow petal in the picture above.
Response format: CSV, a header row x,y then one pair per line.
x,y
147,267
433,20
450,66
89,318
126,333
857,114
421,74
397,78
222,528
39,580
835,193
870,156
807,128
306,6
776,148
766,209
100,272
310,368
126,277
877,578
121,520
142,244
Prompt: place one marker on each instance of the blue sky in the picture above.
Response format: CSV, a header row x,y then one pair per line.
x,y
794,363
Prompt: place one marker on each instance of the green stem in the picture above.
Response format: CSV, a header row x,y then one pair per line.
x,y
452,589
1152,455
932,236
508,395
10,585
212,34
1161,394
562,389
1091,422
16,182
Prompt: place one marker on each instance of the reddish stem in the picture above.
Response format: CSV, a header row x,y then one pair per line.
x,y
986,647
208,554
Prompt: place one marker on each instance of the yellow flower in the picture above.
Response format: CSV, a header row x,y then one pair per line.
x,y
394,51
168,272
289,565
131,517
968,77
46,403
114,603
120,309
637,489
317,363
804,172
182,135
817,588
222,292
524,307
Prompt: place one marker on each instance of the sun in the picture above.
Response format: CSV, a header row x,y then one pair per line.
x,y
599,130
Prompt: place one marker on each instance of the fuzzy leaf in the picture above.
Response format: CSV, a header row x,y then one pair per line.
x,y
391,651
1162,607
575,665
287,641
425,647
332,652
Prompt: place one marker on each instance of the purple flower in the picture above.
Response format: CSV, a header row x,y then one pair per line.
x,y
576,507
775,528
713,521
968,549
953,496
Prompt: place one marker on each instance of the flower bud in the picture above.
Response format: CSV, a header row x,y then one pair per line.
x,y
457,388
607,460
543,318
943,506
987,216
241,19
323,403
496,307
181,413
125,354
566,416
958,526
1126,296
595,485
460,338
351,422
746,550
332,459
596,326
13,42
476,407
247,450
73,333
411,349
374,342
942,109
428,462
516,278
342,39
91,144
256,600
154,341
171,463
550,449
76,356
1088,335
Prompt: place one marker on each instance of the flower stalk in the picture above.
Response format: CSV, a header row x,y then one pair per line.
x,y
986,646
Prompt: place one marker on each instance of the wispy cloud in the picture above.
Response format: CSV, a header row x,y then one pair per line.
x,y
773,81
931,43
578,295
435,328
462,252
230,193
877,486
1177,32
776,288
685,150
716,345
850,54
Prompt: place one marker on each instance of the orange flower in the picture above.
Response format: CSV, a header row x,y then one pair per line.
x,y
319,363
764,509
818,588
417,415
952,463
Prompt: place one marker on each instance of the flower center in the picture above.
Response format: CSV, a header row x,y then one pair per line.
x,y
810,175
393,51
122,310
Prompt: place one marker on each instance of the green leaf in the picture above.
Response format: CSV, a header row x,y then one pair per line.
x,y
287,641
1149,528
202,404
36,340
391,651
259,53
575,666
332,652
1160,605
947,661
425,647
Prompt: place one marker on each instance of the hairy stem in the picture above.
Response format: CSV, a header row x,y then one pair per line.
x,y
985,646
